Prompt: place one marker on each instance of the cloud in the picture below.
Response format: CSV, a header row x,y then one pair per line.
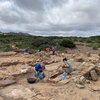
x,y
34,5
51,17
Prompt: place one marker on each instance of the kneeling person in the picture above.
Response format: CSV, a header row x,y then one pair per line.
x,y
67,69
39,69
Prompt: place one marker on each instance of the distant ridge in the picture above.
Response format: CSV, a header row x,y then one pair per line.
x,y
15,33
30,34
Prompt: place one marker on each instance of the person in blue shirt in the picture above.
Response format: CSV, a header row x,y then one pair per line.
x,y
39,71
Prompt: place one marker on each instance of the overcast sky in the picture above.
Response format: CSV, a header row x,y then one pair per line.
x,y
51,17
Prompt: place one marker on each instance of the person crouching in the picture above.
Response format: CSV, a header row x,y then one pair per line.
x,y
39,71
67,69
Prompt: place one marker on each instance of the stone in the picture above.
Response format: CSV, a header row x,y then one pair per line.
x,y
56,74
7,82
89,69
1,98
57,79
41,97
63,82
84,98
95,88
24,70
88,54
94,76
86,72
17,92
79,59
98,70
75,73
75,79
88,81
80,86
82,80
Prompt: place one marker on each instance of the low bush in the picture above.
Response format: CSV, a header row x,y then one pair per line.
x,y
67,43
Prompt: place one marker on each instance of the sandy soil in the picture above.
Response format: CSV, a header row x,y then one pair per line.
x,y
11,65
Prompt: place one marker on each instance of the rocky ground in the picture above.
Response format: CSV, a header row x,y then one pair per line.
x,y
82,84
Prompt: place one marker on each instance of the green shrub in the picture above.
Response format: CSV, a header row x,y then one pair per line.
x,y
6,48
95,48
67,43
35,42
89,41
40,41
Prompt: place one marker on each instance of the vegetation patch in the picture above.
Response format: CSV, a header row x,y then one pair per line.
x,y
22,41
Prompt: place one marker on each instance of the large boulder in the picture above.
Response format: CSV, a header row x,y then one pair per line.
x,y
91,73
94,76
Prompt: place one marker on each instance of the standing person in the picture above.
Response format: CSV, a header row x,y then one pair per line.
x,y
40,50
26,50
53,50
39,70
47,49
67,68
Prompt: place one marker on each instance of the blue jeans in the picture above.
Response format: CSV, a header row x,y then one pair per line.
x,y
65,73
64,76
40,75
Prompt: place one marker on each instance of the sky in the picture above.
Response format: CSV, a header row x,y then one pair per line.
x,y
51,17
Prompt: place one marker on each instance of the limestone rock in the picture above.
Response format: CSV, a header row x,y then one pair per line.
x,y
84,98
94,76
80,86
86,72
95,88
88,54
88,81
40,97
98,70
79,59
82,80
63,82
75,79
75,73
24,70
57,79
